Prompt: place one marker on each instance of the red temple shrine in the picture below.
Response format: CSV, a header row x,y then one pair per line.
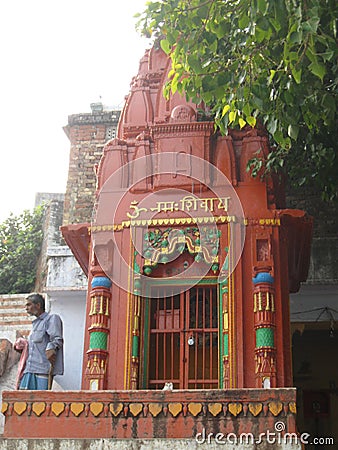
x,y
190,261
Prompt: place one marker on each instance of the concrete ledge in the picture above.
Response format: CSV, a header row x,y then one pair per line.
x,y
130,444
148,414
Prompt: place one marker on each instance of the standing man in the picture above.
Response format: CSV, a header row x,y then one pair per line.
x,y
45,347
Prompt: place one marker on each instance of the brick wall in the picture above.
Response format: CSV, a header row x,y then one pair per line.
x,y
87,134
51,234
13,316
324,252
324,213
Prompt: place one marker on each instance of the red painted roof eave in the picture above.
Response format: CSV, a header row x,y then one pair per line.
x,y
299,226
77,237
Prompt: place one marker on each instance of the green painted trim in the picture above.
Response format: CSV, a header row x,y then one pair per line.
x,y
226,344
134,351
145,343
180,281
220,333
265,337
98,339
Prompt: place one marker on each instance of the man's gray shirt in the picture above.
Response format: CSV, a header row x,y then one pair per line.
x,y
46,334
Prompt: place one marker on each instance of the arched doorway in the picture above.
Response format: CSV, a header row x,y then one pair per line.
x,y
181,338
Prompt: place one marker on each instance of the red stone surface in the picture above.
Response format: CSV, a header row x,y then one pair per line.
x,y
147,414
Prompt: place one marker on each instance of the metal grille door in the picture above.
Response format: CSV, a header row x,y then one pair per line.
x,y
183,339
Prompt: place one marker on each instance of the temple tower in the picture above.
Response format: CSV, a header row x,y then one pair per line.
x,y
190,260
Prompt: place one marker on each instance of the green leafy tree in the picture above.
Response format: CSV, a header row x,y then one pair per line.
x,y
20,245
259,62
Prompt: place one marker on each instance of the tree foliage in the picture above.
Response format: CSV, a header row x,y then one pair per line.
x,y
20,246
259,61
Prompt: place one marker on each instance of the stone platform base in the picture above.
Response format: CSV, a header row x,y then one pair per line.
x,y
177,414
132,444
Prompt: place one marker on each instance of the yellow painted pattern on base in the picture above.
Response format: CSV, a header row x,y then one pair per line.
x,y
215,408
255,408
96,408
115,409
38,408
235,408
275,408
175,408
135,408
195,408
4,407
155,409
20,407
58,408
77,408
293,407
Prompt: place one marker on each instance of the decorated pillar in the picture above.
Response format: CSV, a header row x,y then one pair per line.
x,y
264,323
98,330
136,321
135,343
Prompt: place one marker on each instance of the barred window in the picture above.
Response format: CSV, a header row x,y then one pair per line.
x,y
110,133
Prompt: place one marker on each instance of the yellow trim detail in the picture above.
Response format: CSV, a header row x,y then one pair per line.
x,y
58,408
293,407
77,408
255,408
181,221
275,408
96,408
235,408
135,408
4,407
155,409
115,409
175,408
195,408
38,408
20,407
215,408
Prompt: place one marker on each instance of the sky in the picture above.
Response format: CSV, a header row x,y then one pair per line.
x,y
57,57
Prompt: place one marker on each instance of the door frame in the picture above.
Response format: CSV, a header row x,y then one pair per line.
x,y
145,315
